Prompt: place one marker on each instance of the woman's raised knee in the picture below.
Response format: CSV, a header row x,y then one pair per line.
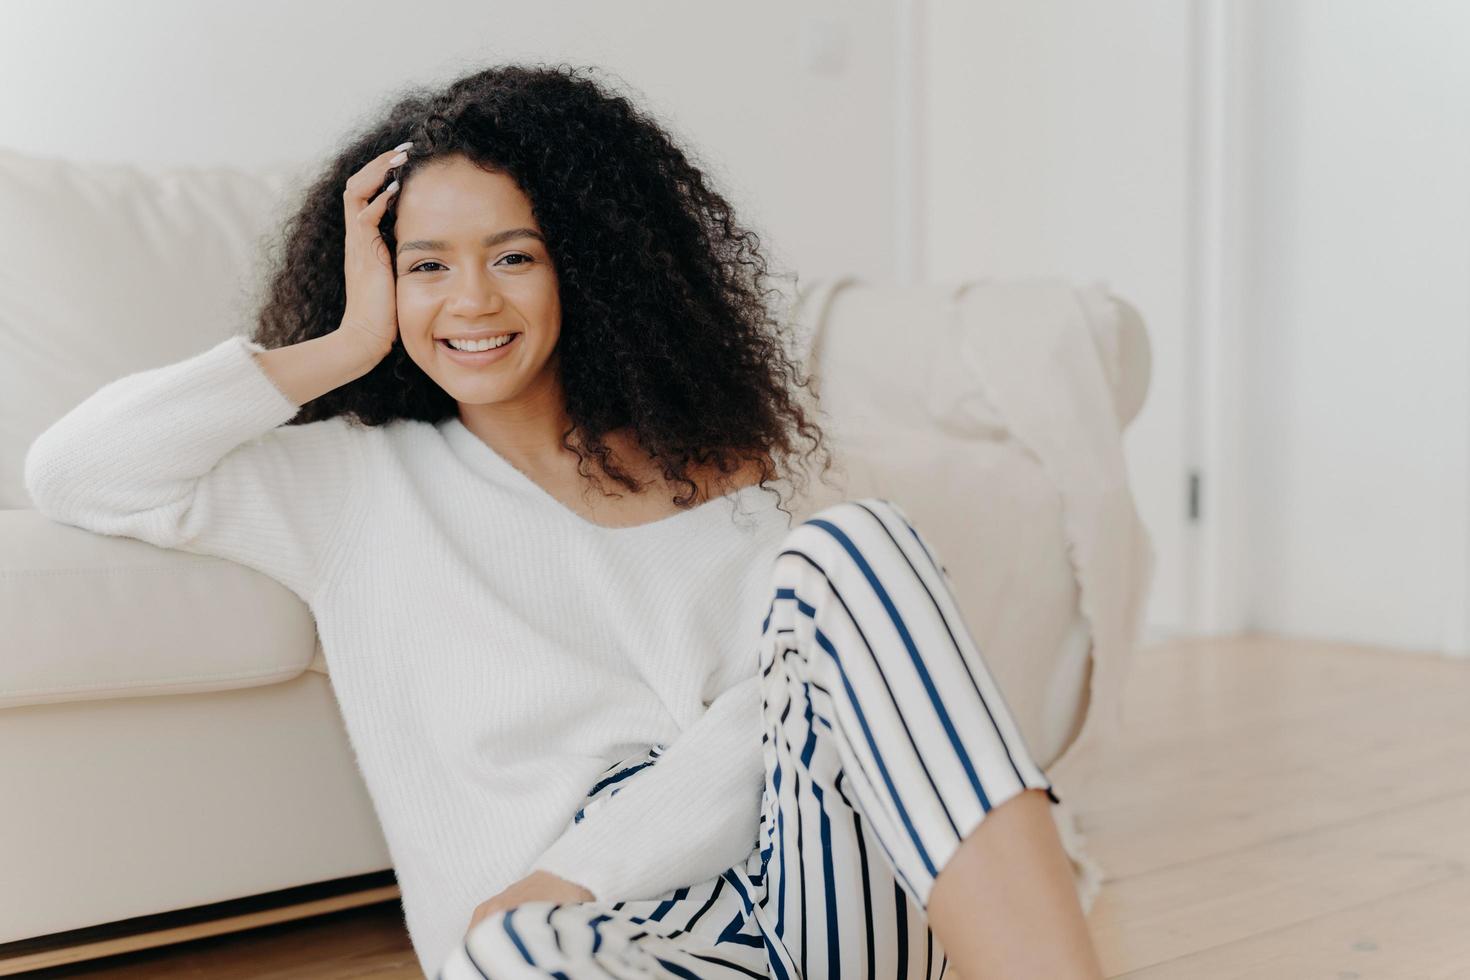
x,y
854,531
836,521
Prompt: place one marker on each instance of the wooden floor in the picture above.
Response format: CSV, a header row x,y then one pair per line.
x,y
1274,809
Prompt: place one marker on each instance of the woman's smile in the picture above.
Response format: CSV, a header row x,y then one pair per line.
x,y
477,358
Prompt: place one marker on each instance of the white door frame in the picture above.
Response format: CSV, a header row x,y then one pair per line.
x,y
1217,542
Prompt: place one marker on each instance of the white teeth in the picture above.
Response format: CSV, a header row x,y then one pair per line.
x,y
479,345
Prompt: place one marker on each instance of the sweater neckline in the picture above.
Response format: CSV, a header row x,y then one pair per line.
x,y
483,457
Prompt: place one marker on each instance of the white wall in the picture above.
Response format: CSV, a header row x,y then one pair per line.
x,y
806,157
1357,408
1059,145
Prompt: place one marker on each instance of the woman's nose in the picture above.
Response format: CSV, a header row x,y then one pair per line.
x,y
475,291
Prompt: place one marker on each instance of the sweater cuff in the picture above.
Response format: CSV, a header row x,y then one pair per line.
x,y
260,391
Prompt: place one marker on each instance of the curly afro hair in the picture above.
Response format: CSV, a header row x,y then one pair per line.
x,y
665,324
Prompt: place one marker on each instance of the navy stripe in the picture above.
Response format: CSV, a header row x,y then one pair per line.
x,y
800,861
675,969
781,842
475,963
510,931
714,895
669,903
731,965
902,903
810,745
862,846
593,923
829,882
555,936
619,777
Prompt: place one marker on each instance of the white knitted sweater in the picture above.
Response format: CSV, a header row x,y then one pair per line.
x,y
491,651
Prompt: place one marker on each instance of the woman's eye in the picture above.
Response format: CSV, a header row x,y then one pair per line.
x,y
513,255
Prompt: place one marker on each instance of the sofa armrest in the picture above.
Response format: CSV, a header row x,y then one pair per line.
x,y
87,616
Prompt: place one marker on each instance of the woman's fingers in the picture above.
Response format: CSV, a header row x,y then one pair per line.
x,y
369,216
367,264
363,185
369,212
379,204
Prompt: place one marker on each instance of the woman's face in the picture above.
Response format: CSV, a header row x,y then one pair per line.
x,y
471,263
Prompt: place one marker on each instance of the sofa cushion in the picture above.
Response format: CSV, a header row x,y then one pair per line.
x,y
88,616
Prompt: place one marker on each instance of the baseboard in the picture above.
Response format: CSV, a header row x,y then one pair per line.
x,y
183,925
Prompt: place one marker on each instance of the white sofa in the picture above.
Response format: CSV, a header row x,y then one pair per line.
x,y
172,759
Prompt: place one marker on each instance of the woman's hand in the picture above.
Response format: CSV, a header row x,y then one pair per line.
x,y
371,313
538,886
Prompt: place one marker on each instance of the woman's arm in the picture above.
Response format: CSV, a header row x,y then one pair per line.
x,y
684,819
195,456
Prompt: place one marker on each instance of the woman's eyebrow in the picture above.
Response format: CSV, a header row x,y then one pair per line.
x,y
432,244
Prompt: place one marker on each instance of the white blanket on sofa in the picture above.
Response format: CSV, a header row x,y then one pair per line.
x,y
985,367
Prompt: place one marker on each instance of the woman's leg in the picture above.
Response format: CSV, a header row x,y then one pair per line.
x,y
884,727
1005,905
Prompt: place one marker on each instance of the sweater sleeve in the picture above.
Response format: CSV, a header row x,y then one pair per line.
x,y
195,456
684,819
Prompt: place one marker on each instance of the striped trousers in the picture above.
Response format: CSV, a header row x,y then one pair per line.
x,y
886,742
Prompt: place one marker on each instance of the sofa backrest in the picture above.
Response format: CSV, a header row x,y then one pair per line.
x,y
108,269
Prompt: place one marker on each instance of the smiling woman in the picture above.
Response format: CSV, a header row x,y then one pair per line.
x,y
635,305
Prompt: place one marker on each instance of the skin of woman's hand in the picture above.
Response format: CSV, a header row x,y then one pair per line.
x,y
371,313
538,886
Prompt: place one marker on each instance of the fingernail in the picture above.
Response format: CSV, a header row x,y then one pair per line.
x,y
404,146
398,159
391,188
